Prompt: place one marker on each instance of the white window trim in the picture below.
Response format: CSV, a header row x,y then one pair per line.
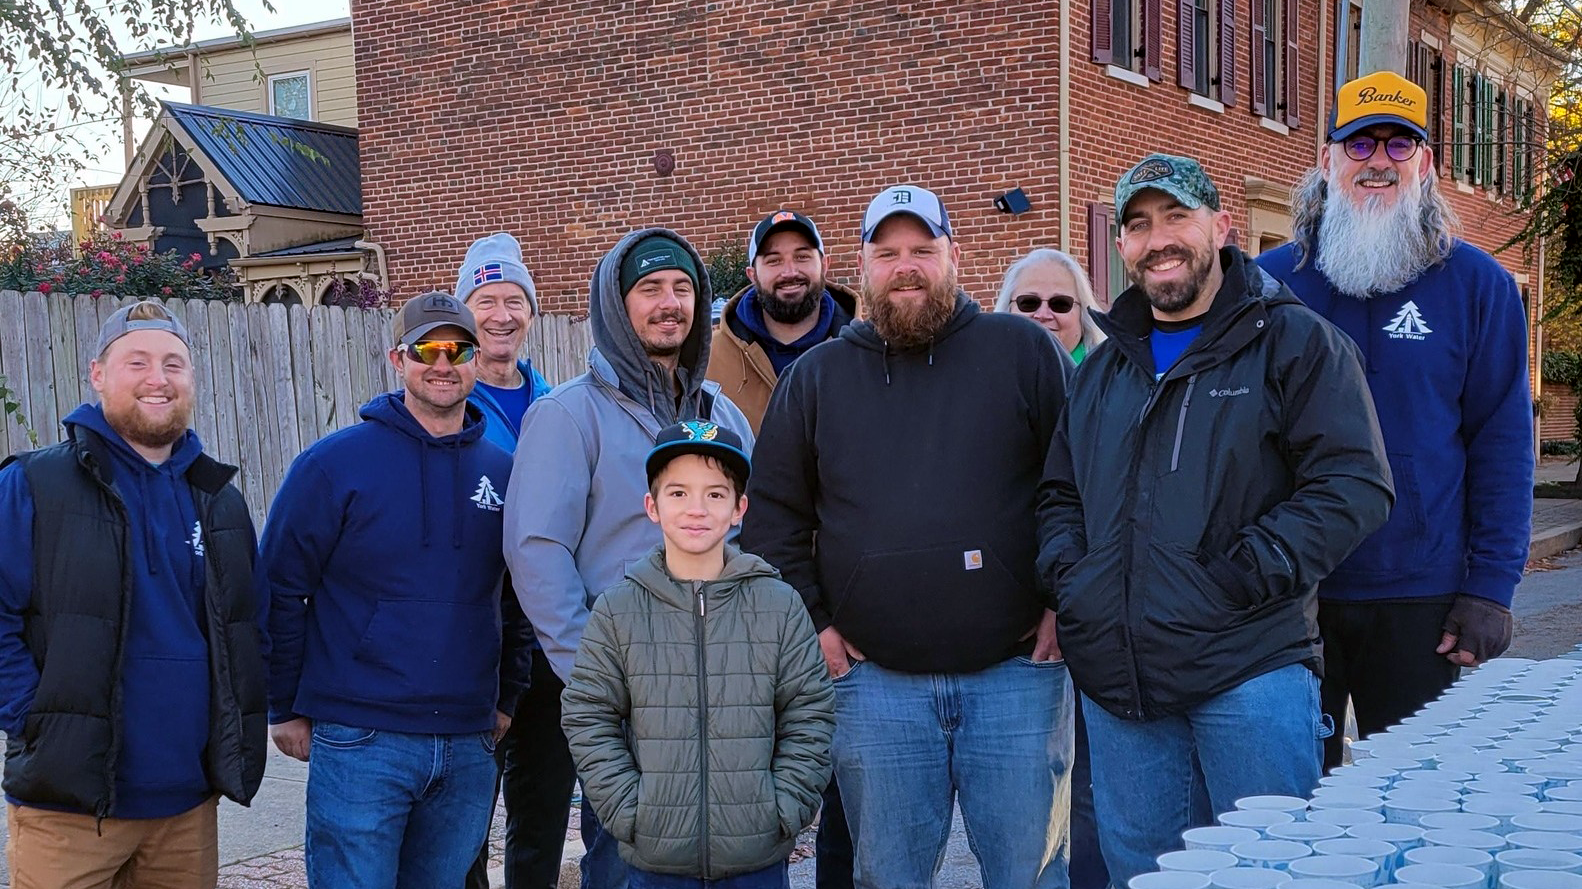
x,y
1430,41
1272,124
1131,77
1204,102
269,90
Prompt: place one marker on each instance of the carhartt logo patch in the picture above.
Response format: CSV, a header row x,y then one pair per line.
x,y
972,559
1152,171
1408,324
485,497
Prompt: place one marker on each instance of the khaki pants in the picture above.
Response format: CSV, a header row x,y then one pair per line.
x,y
65,850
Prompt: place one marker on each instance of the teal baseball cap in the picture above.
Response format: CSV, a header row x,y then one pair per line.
x,y
1180,177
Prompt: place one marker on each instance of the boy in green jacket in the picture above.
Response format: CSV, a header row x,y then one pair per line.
x,y
700,711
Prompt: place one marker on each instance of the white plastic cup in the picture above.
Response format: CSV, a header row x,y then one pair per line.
x,y
1460,821
1482,840
1169,879
1443,876
1503,806
1562,807
1347,777
1272,854
1294,806
1320,883
1346,798
1305,832
1219,838
1543,839
1482,862
1570,792
1258,819
1540,879
1346,868
1550,821
1385,855
1345,817
1197,861
1537,859
1410,810
1248,878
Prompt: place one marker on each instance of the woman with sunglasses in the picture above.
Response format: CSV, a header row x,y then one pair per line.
x,y
1049,288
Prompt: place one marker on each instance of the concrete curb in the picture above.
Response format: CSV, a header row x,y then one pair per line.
x,y
1554,541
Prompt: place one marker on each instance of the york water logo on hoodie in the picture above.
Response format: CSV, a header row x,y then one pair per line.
x,y
485,496
1408,324
197,539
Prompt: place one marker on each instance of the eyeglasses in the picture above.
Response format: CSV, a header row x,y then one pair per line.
x,y
1059,303
1398,148
428,352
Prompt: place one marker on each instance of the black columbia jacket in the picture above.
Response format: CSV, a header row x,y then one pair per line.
x,y
1185,523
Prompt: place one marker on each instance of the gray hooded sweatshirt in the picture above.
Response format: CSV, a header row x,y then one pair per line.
x,y
574,520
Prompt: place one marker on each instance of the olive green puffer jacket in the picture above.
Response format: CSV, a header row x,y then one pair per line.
x,y
699,715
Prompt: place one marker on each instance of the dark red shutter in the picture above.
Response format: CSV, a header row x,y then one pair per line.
x,y
1259,75
1099,216
1227,52
1153,39
1102,36
1293,68
1186,44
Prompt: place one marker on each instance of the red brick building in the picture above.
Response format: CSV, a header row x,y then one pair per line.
x,y
559,121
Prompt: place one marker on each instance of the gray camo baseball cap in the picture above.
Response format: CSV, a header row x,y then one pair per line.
x,y
1180,177
120,324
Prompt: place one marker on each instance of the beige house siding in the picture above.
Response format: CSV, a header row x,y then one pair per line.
x,y
232,79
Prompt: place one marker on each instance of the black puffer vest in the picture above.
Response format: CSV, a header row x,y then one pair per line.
x,y
75,627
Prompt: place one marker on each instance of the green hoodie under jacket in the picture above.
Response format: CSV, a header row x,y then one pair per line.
x,y
699,714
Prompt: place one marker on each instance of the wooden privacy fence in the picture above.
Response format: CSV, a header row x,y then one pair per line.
x,y
270,379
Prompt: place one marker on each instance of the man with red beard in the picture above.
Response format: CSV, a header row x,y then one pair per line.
x,y
1219,456
786,310
895,491
1443,335
131,632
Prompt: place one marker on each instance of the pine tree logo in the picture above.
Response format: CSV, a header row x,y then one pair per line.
x,y
485,496
1408,324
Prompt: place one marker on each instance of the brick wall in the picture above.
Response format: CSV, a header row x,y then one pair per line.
x,y
543,119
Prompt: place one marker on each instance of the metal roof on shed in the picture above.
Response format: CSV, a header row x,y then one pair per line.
x,y
278,161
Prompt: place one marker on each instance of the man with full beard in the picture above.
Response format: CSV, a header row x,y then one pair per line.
x,y
1219,456
786,310
131,634
1444,338
895,491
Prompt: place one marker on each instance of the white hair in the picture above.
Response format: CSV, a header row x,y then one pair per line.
x,y
1091,335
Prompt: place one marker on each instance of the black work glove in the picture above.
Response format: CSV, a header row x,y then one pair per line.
x,y
1475,628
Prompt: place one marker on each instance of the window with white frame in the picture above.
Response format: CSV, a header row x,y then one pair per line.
x,y
291,95
1206,44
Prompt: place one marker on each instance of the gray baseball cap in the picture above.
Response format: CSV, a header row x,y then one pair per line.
x,y
1180,177
911,200
421,314
120,324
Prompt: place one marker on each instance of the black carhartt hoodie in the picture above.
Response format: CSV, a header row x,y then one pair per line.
x,y
914,471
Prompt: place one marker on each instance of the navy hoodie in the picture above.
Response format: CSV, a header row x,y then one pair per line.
x,y
384,564
1446,360
165,665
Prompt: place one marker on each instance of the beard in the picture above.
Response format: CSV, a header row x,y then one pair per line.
x,y
792,311
907,324
140,429
1366,247
1174,296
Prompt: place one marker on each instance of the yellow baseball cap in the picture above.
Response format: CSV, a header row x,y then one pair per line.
x,y
1382,97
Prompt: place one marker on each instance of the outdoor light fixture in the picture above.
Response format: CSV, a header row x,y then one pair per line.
x,y
1013,202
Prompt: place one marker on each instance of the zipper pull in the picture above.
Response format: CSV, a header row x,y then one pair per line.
x,y
702,602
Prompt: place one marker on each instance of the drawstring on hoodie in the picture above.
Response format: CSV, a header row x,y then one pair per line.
x,y
887,358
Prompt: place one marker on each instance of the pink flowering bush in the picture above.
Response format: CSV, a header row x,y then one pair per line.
x,y
107,263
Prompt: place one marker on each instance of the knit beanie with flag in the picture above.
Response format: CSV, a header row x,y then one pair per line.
x,y
493,259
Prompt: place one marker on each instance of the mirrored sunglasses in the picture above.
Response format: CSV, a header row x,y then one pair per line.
x,y
428,352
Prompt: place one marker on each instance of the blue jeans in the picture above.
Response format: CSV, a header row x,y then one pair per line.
x,y
602,867
1150,778
908,746
776,876
390,809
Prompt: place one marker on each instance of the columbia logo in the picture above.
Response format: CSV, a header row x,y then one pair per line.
x,y
485,496
1408,324
1228,393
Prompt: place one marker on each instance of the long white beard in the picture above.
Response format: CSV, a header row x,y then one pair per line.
x,y
1368,250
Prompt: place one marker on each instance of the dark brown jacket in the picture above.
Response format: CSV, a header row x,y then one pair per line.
x,y
739,364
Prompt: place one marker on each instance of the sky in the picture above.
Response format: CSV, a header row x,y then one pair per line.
x,y
103,153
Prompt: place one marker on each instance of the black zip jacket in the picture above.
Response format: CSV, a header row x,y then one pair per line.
x,y
895,490
1185,524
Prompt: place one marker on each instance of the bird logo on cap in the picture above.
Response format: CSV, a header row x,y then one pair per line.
x,y
699,430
